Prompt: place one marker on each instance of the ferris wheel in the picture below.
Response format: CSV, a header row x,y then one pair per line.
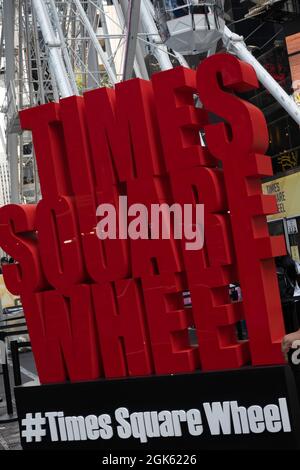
x,y
52,49
191,26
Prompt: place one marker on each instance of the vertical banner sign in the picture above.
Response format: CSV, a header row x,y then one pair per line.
x,y
287,192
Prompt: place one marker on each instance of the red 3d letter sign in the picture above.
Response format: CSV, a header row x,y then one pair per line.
x,y
114,307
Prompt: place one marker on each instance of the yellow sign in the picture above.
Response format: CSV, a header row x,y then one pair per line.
x,y
287,192
288,161
7,299
297,97
295,253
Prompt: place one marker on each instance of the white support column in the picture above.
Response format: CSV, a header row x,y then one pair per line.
x,y
12,152
131,39
140,68
95,42
64,48
54,45
8,24
11,139
236,45
181,59
105,31
20,100
159,50
93,78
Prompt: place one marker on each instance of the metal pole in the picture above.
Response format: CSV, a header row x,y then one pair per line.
x,y
92,34
181,59
236,45
64,48
94,77
36,58
286,235
37,192
131,39
33,54
8,25
28,53
1,45
150,27
140,68
105,31
12,152
5,371
2,139
73,34
21,91
53,83
82,53
20,71
14,348
8,397
12,139
54,45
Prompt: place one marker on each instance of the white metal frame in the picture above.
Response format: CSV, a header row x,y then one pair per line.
x,y
71,46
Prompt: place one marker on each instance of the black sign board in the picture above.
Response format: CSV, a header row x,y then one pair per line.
x,y
253,407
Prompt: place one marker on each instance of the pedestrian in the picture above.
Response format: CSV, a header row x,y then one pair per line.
x,y
288,273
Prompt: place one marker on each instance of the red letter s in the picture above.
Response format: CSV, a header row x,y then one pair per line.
x,y
18,238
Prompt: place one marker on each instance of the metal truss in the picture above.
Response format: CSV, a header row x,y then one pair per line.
x,y
51,49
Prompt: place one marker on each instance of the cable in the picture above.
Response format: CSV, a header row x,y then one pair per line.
x,y
256,29
276,34
239,21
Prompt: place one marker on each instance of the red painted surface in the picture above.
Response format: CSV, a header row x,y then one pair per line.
x,y
114,308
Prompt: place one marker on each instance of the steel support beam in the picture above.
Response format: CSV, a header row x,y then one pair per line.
x,y
140,68
54,46
92,35
159,50
64,48
236,45
12,152
105,31
11,139
9,36
94,78
131,39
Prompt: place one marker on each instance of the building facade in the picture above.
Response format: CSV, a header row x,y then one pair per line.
x,y
273,36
